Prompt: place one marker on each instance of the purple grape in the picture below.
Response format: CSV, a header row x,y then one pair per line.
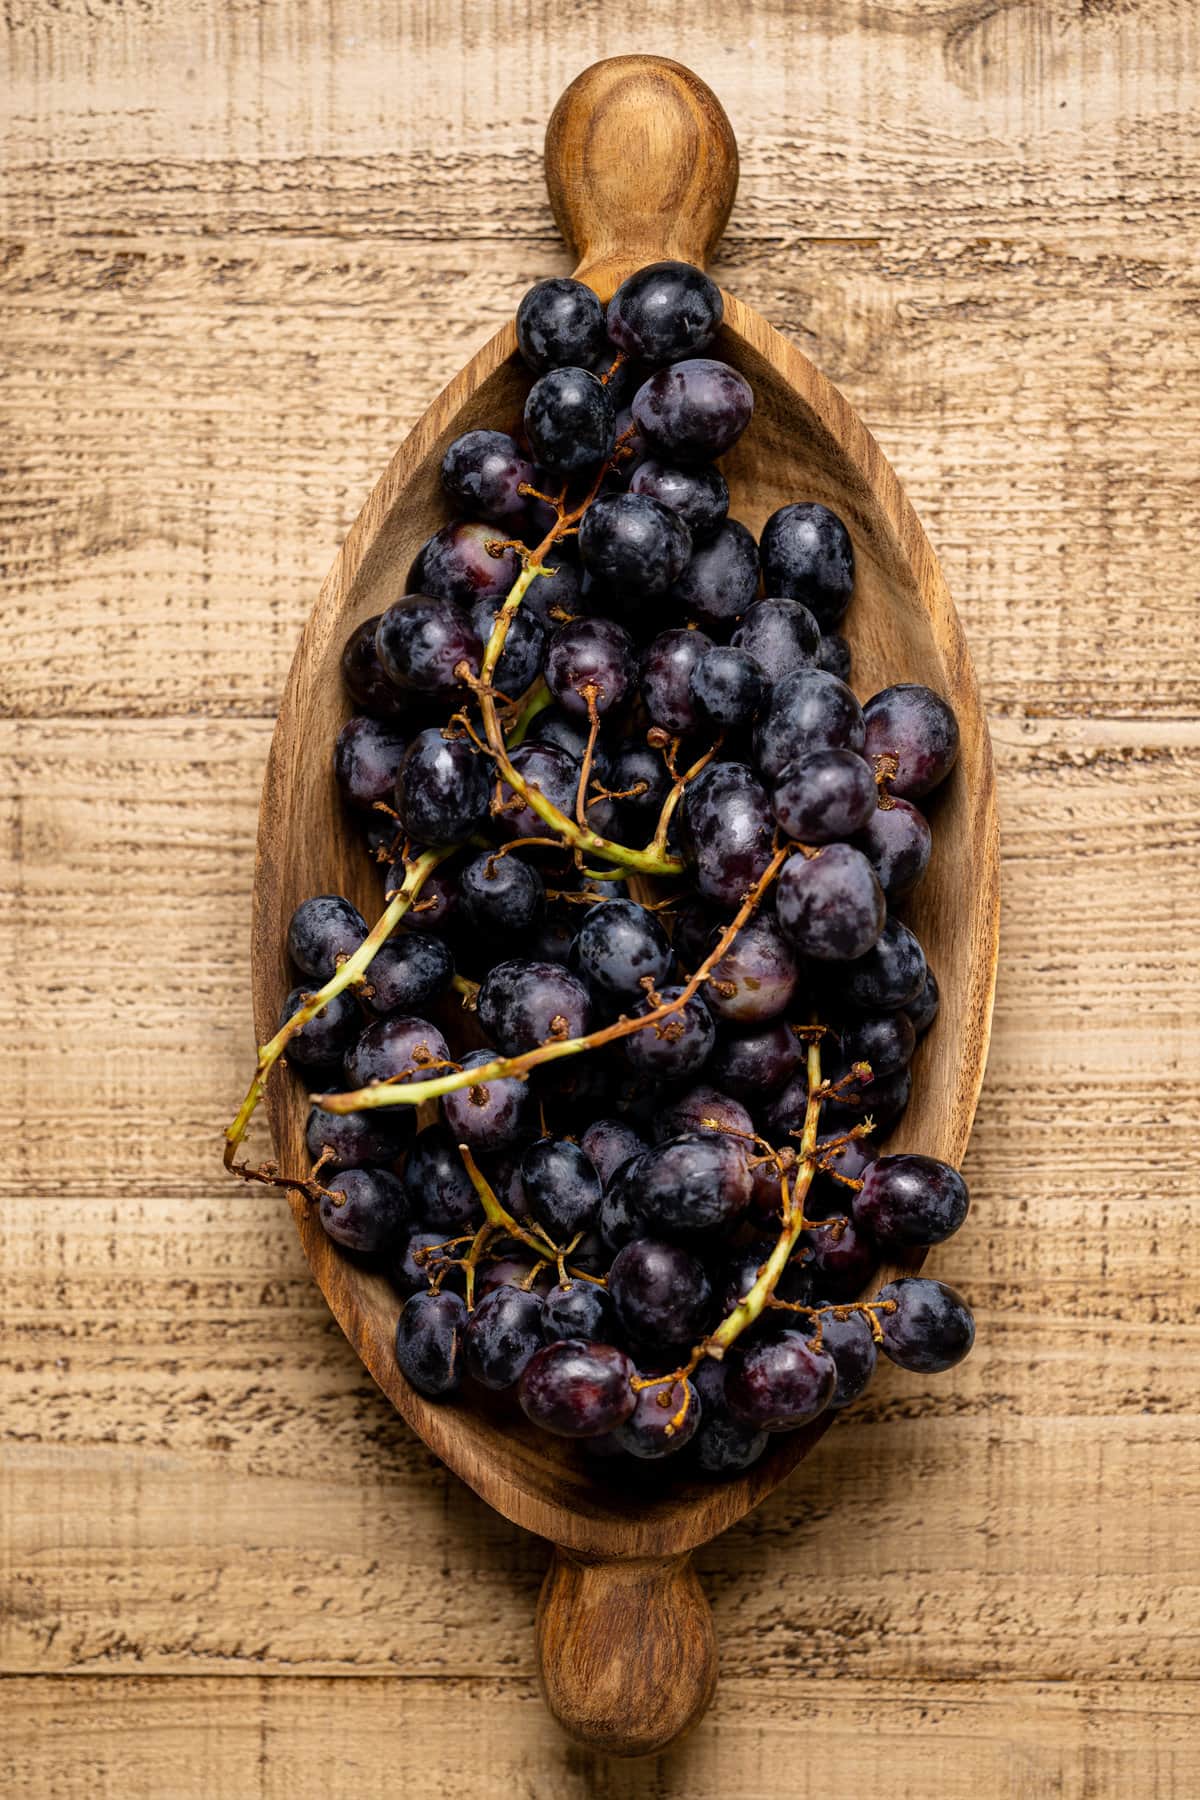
x,y
578,1390
520,661
649,1432
693,411
781,635
569,732
661,1292
699,496
851,1344
609,1144
842,1258
678,1046
443,790
721,580
756,978
692,1183
370,1213
409,1270
728,686
502,1335
807,555
421,642
779,1383
460,564
522,1004
824,796
364,676
327,1036
830,906
666,676
321,932
723,1444
429,1343
752,1064
891,974
619,1222
398,1050
553,599
931,1328
634,542
358,1139
896,841
906,1200
366,760
440,1192
665,311
808,710
589,653
560,324
833,655
502,896
484,471
569,421
437,909
561,1186
923,1010
491,1115
885,1041
556,777
408,973
620,947
914,725
688,1115
580,1310
727,831
639,767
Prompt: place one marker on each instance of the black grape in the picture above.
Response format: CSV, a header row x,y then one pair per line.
x,y
851,1344
665,311
523,1004
443,790
692,1183
484,472
366,760
808,710
397,1049
891,974
408,973
422,640
693,411
833,655
524,651
661,1292
491,1115
635,542
896,841
914,725
429,1342
906,1200
364,675
756,978
357,1139
501,895
723,1445
502,1335
364,1209
560,324
807,555
650,1432
728,686
700,496
667,667
580,1310
706,1111
440,1192
923,1010
752,1064
778,1383
321,932
569,420
578,1390
678,1046
589,653
462,563
727,831
721,579
327,1036
562,1187
842,1257
621,946
781,635
609,1144
931,1328
830,906
824,795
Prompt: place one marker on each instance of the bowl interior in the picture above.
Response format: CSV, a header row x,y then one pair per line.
x,y
803,443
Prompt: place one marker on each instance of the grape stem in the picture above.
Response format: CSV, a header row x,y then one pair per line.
x,y
413,1093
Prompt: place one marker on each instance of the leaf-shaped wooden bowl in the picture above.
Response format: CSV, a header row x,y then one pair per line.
x,y
641,164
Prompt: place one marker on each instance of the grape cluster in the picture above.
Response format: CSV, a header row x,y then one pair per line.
x,y
642,961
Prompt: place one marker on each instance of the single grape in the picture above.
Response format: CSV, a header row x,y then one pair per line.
x,y
556,777
569,732
667,667
728,686
654,1428
896,841
484,471
910,1199
578,1390
522,1004
833,655
914,726
752,1064
410,1268
779,1383
589,654
562,1187
851,1344
885,1041
756,978
364,676
727,831
422,641
579,1310
408,973
807,710
661,1292
440,1192
721,579
723,1444
891,973
553,599
366,759
364,1209
923,1010
678,1046
464,562
842,1257
824,796
443,789
490,1115
357,1139
327,1036
706,1111
699,496
322,932
520,661
693,411
560,324
398,1050
807,555
634,542
569,420
665,311
609,1144
692,1183
621,946
502,1334
437,909
502,896
619,1220
830,906
741,1271
931,1328
429,1342
781,635
639,775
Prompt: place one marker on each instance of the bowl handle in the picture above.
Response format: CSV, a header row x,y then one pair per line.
x,y
641,164
626,1651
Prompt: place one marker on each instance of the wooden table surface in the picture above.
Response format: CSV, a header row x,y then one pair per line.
x,y
243,246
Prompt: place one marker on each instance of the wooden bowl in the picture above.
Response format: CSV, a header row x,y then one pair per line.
x,y
641,164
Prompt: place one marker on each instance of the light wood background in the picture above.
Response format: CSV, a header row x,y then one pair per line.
x,y
243,247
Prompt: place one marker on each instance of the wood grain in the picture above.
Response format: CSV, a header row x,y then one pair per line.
x,y
225,1567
